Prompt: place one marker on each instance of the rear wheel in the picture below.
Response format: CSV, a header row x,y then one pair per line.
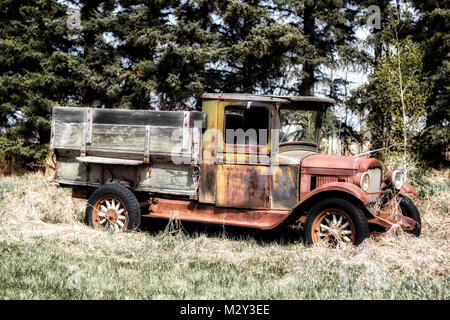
x,y
113,207
336,221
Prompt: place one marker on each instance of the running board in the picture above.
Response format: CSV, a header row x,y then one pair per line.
x,y
205,213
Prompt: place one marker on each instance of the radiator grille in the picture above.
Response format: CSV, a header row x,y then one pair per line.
x,y
375,184
327,179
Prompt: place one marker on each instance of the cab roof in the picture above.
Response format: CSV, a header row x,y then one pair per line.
x,y
266,98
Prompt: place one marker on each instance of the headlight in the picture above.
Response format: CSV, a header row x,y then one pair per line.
x,y
397,179
365,181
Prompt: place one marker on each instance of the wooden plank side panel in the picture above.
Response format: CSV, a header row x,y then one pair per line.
x,y
128,117
168,140
174,177
144,117
117,137
68,127
126,134
70,114
68,135
71,170
138,117
122,138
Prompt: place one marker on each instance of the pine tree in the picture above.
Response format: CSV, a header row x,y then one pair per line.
x,y
35,72
256,46
190,47
368,98
426,23
135,54
96,63
328,27
166,54
433,33
141,29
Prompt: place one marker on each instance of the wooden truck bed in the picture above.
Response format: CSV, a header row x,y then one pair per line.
x,y
133,147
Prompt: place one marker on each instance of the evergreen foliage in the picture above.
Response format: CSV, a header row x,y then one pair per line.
x,y
155,54
420,29
432,32
35,74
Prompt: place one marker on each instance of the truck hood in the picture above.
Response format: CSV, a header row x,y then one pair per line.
x,y
340,162
312,160
293,157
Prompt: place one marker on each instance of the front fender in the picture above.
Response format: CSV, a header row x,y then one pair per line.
x,y
405,189
408,189
345,188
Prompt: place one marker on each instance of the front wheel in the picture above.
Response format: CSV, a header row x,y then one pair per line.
x,y
336,221
410,210
113,207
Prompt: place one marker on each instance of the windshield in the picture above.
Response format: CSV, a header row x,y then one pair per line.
x,y
298,125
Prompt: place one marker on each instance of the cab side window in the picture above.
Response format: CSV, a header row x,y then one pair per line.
x,y
243,125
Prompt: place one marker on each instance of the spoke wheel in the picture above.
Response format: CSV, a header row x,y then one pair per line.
x,y
334,227
113,207
335,222
110,213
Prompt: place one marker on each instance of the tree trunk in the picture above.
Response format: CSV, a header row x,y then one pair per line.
x,y
307,85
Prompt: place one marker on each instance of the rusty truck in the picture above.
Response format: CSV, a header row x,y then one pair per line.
x,y
243,160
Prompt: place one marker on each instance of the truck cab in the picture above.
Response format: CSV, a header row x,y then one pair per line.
x,y
244,160
253,146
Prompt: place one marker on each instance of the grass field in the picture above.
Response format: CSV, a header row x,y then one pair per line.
x,y
46,252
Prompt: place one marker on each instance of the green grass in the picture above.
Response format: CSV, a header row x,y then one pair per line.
x,y
41,271
47,253
10,183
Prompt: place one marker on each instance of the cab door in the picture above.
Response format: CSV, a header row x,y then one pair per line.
x,y
243,158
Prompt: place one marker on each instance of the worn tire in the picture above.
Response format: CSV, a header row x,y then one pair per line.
x,y
358,222
127,200
410,210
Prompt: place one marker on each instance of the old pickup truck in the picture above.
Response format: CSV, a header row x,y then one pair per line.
x,y
244,160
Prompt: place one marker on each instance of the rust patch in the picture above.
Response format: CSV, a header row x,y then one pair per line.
x,y
284,187
207,183
207,213
80,193
242,186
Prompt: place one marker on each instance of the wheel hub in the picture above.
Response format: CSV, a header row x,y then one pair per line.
x,y
111,215
335,232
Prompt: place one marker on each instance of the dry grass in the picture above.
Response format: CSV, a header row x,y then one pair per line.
x,y
43,244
